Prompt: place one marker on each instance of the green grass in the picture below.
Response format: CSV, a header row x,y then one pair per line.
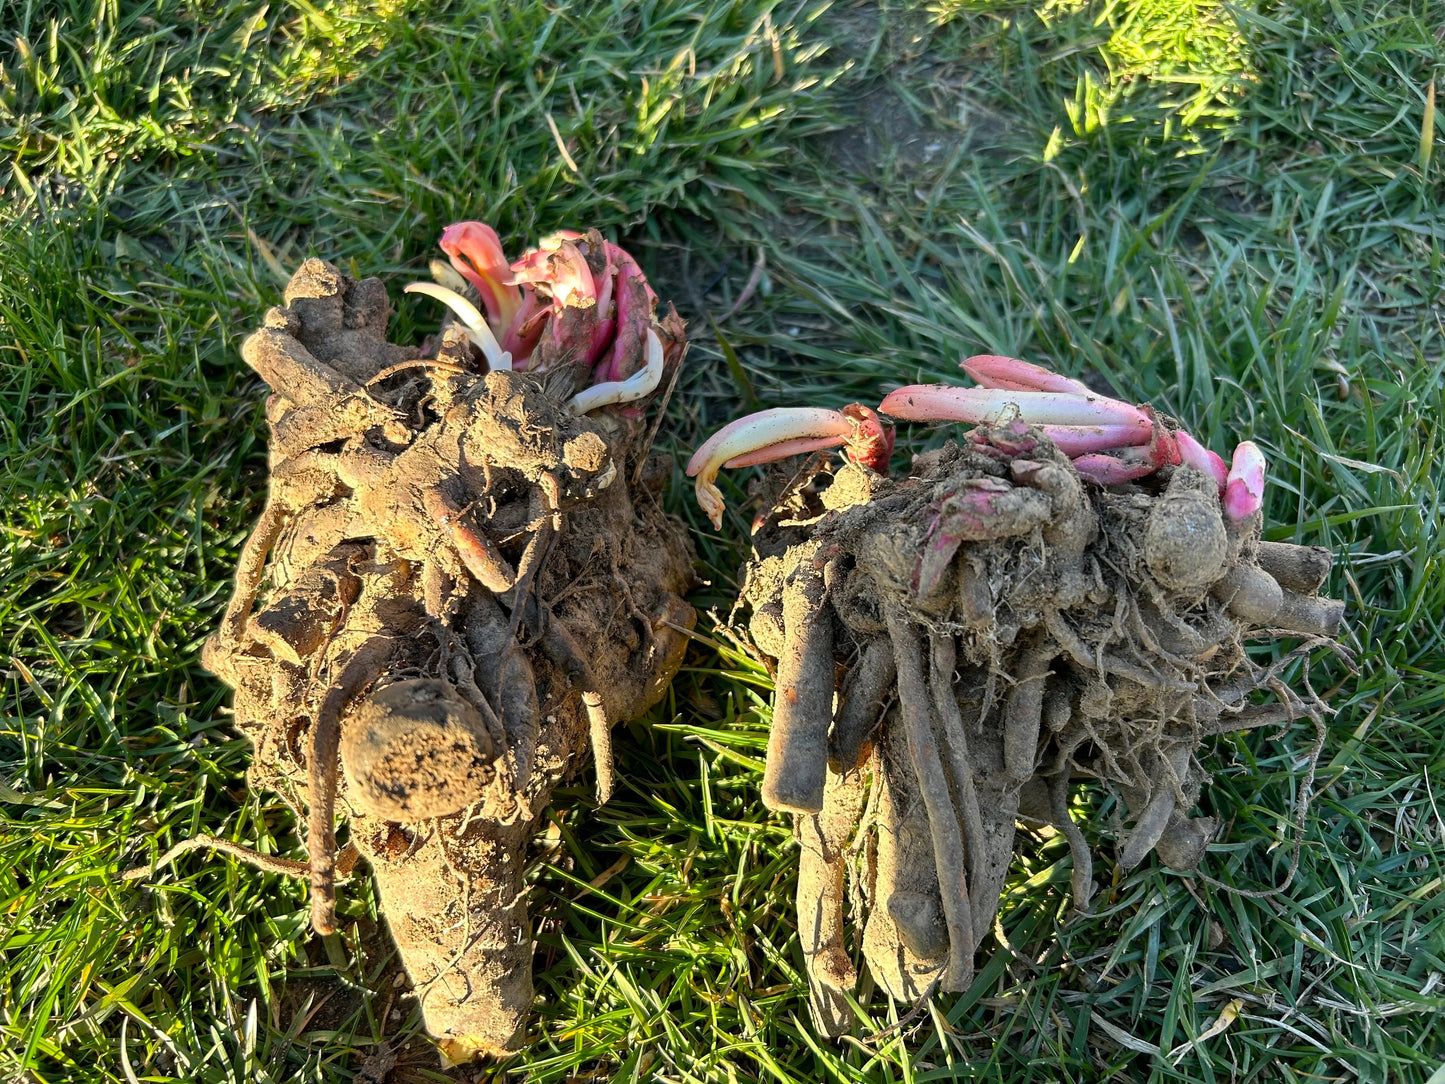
x,y
1232,212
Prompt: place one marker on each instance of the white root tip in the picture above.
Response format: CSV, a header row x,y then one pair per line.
x,y
477,328
641,383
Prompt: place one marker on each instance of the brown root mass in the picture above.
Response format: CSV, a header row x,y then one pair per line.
x,y
954,650
455,588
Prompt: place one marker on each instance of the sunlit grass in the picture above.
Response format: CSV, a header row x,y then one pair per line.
x,y
1268,268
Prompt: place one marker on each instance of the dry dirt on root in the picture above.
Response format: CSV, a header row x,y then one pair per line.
x,y
455,589
956,649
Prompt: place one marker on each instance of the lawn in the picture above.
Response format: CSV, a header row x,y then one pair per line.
x,y
1231,212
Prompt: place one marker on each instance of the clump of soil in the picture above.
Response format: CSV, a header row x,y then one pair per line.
x,y
956,648
455,588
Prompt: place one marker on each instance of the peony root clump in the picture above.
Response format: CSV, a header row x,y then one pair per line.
x,y
461,580
1064,594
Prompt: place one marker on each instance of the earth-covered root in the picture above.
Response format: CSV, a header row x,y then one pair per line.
x,y
459,583
969,642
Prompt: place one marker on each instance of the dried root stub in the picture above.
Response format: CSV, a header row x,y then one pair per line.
x,y
955,649
461,580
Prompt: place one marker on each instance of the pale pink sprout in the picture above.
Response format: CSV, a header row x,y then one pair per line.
x,y
1244,488
996,371
780,432
1109,441
943,402
1201,458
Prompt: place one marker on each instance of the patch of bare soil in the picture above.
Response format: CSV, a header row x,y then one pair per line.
x,y
921,130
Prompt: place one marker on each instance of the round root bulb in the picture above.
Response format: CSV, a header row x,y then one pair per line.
x,y
948,852
797,763
414,750
1186,546
382,668
1250,594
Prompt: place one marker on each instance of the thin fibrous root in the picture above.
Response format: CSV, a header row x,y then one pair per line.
x,y
797,759
249,570
321,768
1082,882
1074,646
562,649
948,852
268,863
544,533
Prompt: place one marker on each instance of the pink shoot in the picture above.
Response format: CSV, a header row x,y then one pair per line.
x,y
966,515
1112,470
1075,440
995,371
476,252
778,431
773,452
942,402
574,299
633,313
1244,487
1163,447
871,444
1201,458
561,272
